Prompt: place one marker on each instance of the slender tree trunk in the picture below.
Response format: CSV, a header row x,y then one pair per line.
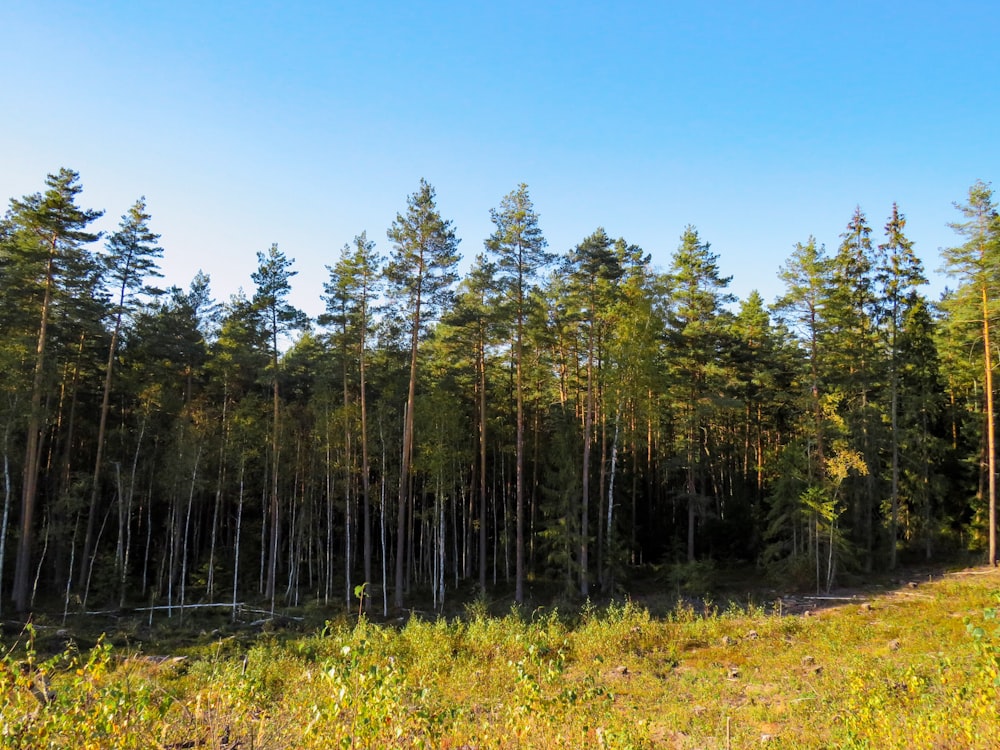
x,y
990,428
404,472
101,431
7,492
690,482
123,582
588,426
21,592
348,468
236,541
272,569
382,524
481,357
328,559
602,478
365,488
894,427
219,485
187,528
608,576
519,472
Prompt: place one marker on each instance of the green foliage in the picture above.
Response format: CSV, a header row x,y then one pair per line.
x,y
545,431
74,701
691,578
948,702
610,677
986,640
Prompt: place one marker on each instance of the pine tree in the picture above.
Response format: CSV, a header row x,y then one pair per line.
x,y
471,327
50,234
351,293
595,270
131,257
277,318
519,248
977,264
421,274
801,463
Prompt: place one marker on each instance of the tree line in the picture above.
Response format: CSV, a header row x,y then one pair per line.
x,y
560,418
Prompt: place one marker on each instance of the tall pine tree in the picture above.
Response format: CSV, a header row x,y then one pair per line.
x,y
421,274
976,262
519,248
51,237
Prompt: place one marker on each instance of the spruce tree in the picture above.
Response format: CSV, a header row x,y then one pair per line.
x,y
851,344
899,275
696,326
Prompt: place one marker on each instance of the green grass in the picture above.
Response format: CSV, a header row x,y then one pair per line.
x,y
912,668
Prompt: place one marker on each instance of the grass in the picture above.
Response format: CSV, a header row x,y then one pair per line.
x,y
914,668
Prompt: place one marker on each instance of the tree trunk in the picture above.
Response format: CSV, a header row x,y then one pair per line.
x,y
588,426
990,428
219,485
608,579
404,472
236,541
7,492
519,507
365,489
481,356
21,592
272,569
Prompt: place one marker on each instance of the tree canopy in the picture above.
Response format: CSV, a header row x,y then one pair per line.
x,y
538,421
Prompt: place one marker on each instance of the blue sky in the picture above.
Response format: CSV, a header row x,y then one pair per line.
x,y
304,123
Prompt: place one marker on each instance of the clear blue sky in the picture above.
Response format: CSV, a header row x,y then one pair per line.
x,y
304,123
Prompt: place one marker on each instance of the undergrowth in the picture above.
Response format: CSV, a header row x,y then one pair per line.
x,y
913,669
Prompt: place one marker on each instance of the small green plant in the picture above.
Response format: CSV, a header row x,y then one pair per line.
x,y
986,640
359,594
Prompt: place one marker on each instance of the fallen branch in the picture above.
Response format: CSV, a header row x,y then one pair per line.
x,y
163,607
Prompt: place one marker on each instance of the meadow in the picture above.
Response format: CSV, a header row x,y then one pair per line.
x,y
916,665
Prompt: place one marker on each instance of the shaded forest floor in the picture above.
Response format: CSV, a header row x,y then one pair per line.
x,y
702,588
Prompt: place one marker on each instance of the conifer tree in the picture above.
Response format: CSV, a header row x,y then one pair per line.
x,y
471,329
976,263
421,274
697,331
131,257
594,270
899,275
802,308
50,236
519,248
850,342
351,293
277,318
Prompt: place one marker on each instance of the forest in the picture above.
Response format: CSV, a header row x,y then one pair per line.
x,y
562,420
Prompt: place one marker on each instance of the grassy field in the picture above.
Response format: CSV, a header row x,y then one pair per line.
x,y
917,666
